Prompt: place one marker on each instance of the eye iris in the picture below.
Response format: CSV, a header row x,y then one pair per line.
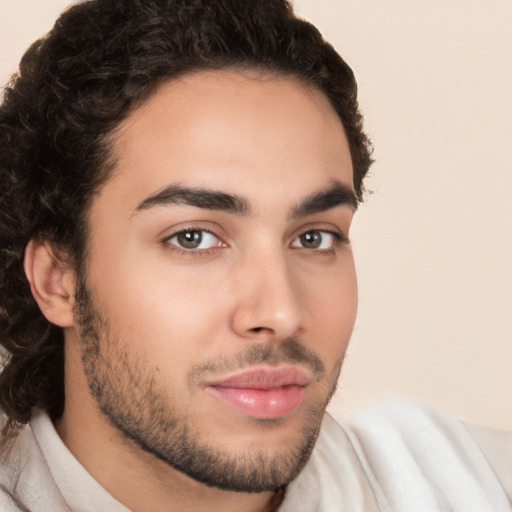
x,y
311,240
190,239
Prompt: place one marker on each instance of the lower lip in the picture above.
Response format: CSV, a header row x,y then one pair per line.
x,y
261,403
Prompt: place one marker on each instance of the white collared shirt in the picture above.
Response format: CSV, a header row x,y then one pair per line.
x,y
394,459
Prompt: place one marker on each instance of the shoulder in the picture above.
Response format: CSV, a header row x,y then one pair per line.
x,y
333,478
15,457
26,482
496,445
417,455
401,457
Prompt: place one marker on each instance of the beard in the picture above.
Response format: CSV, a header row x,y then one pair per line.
x,y
129,395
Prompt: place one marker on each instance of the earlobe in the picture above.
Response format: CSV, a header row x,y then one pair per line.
x,y
51,282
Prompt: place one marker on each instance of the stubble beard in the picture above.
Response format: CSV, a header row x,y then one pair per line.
x,y
135,403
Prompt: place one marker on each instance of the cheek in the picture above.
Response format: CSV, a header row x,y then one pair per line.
x,y
166,311
332,308
341,301
160,308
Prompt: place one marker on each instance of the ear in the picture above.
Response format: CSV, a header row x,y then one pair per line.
x,y
51,281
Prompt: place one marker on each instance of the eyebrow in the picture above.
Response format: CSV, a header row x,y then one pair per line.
x,y
337,194
199,197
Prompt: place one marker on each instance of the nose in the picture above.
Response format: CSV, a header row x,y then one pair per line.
x,y
268,300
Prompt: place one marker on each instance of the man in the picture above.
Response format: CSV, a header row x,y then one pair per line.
x,y
178,288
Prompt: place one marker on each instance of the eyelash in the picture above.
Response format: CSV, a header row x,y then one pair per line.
x,y
190,252
339,239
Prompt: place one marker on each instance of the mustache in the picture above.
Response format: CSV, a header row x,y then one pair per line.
x,y
289,351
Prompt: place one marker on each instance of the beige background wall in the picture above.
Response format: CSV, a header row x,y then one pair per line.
x,y
434,242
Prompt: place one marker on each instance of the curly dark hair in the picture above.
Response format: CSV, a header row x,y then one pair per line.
x,y
74,87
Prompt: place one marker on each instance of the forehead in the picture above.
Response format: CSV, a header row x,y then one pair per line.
x,y
238,131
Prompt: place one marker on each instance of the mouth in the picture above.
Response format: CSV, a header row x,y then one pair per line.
x,y
262,392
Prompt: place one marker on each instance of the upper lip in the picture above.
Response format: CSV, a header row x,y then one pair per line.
x,y
264,378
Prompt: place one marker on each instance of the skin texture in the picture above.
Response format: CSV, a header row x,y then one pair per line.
x,y
154,322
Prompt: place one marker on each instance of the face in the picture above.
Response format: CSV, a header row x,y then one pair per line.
x,y
220,291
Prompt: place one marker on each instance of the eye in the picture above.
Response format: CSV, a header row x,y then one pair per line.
x,y
316,239
194,239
